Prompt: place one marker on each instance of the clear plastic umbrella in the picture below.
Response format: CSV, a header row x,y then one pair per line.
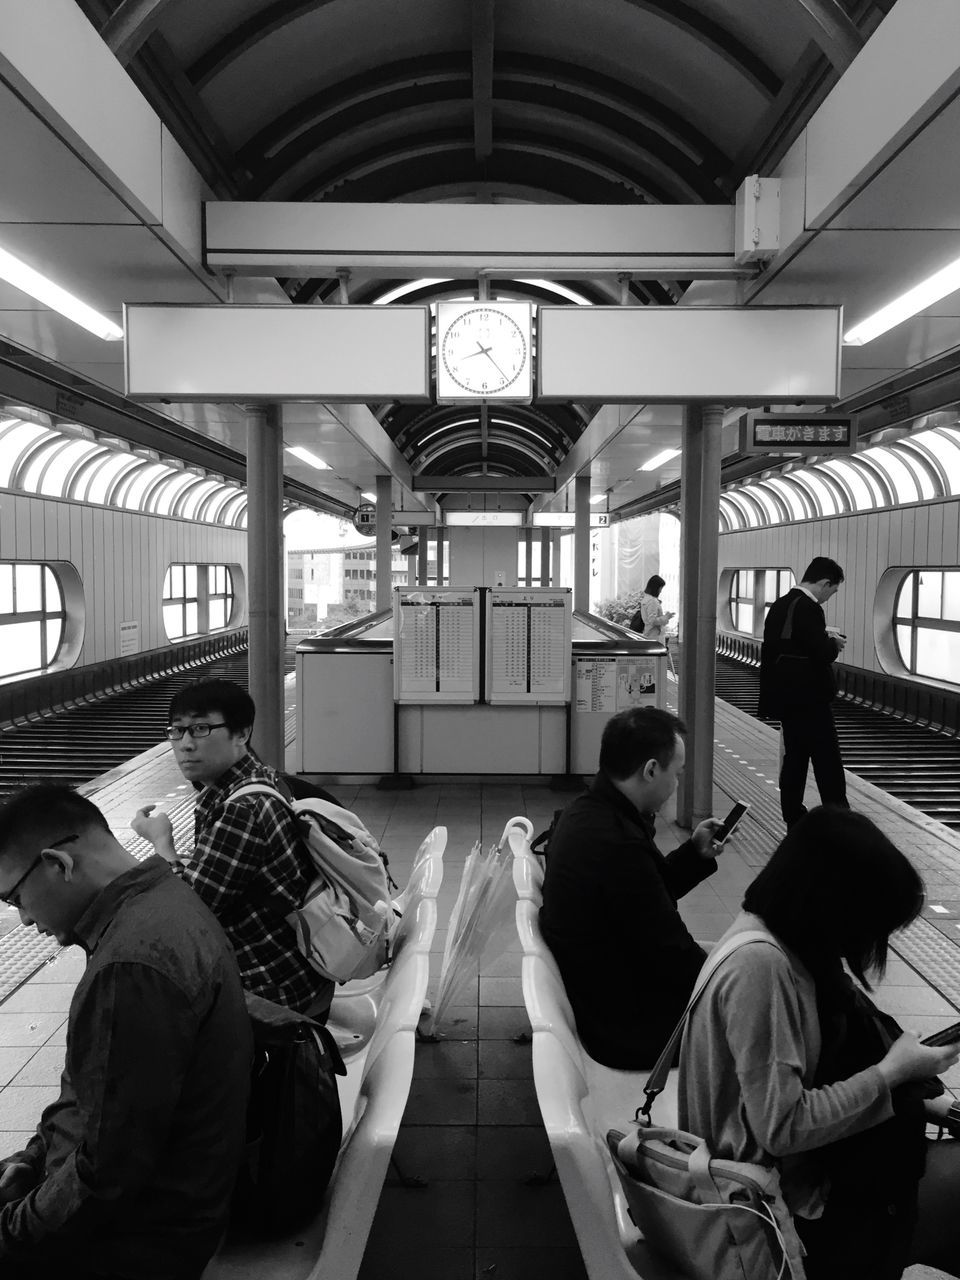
x,y
481,923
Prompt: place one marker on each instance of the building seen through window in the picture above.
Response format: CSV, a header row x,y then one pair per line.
x,y
926,621
32,618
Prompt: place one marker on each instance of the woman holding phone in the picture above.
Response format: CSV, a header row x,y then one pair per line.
x,y
786,1062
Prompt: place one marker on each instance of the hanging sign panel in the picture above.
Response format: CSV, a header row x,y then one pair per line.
x,y
528,645
797,433
736,355
277,353
436,645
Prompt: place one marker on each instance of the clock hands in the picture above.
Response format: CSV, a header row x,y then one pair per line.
x,y
485,351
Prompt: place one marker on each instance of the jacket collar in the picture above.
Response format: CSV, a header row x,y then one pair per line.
x,y
92,925
603,787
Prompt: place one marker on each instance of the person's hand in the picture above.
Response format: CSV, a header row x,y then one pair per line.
x,y
669,614
703,840
16,1180
908,1059
157,828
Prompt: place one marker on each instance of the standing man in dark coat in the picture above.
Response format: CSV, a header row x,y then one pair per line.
x,y
609,911
797,685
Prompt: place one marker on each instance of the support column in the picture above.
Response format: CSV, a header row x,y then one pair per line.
x,y
546,549
554,557
423,555
384,542
581,543
699,539
265,579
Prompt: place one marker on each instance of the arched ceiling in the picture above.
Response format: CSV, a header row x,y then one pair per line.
x,y
483,101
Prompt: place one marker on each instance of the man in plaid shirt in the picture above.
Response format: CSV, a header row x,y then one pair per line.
x,y
248,864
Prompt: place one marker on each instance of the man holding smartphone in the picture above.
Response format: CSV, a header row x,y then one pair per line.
x,y
797,686
609,911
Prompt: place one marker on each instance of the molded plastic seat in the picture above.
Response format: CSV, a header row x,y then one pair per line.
x,y
355,1007
580,1099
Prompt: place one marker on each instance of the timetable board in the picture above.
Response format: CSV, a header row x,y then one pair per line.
x,y
528,645
436,648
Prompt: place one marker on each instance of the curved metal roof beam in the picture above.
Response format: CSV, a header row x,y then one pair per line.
x,y
634,104
130,24
404,151
717,38
832,30
609,131
280,14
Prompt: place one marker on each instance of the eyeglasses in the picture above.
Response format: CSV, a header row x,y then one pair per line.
x,y
199,730
10,897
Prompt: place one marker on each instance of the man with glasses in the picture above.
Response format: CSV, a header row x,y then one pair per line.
x,y
130,1172
248,863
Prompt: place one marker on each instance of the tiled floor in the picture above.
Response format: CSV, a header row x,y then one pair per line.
x,y
471,1128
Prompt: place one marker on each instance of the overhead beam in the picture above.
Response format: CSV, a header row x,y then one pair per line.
x,y
832,29
130,24
290,238
482,79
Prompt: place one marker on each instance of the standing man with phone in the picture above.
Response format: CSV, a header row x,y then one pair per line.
x,y
797,686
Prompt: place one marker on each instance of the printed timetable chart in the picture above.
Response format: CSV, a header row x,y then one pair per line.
x,y
609,684
528,645
435,655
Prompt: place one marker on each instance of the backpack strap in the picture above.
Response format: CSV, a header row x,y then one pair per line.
x,y
261,789
658,1076
787,632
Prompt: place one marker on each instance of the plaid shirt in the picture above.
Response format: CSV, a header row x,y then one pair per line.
x,y
250,867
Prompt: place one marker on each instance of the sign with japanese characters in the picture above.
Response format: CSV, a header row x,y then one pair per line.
x,y
797,433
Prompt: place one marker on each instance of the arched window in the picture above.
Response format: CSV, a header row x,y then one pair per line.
x,y
32,617
197,598
926,623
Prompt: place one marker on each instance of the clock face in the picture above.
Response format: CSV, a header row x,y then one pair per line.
x,y
484,351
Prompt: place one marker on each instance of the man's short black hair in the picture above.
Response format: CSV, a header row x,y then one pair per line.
x,y
821,567
637,735
227,697
46,812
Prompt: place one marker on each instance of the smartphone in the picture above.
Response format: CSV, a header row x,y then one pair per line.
x,y
730,824
949,1035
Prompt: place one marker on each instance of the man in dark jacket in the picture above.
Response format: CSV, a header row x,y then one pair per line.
x,y
130,1172
609,911
797,685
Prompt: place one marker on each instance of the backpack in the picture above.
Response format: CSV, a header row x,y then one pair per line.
x,y
294,1125
345,922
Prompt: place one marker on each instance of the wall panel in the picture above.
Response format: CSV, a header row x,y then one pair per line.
x,y
865,545
121,558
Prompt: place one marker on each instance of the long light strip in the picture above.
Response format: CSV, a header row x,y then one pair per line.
x,y
311,459
659,459
37,286
921,296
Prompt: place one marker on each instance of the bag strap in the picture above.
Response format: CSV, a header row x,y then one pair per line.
x,y
259,789
787,632
658,1076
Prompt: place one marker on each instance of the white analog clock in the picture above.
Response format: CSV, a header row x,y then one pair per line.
x,y
483,351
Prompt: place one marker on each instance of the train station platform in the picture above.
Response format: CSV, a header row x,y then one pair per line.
x,y
472,1127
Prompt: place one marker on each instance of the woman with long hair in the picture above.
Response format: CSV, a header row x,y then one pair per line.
x,y
786,1062
650,619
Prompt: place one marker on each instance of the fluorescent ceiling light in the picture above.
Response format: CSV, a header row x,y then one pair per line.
x,y
555,519
37,286
369,497
484,518
921,296
306,456
597,497
659,459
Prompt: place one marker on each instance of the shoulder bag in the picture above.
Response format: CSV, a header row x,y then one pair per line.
x,y
711,1219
